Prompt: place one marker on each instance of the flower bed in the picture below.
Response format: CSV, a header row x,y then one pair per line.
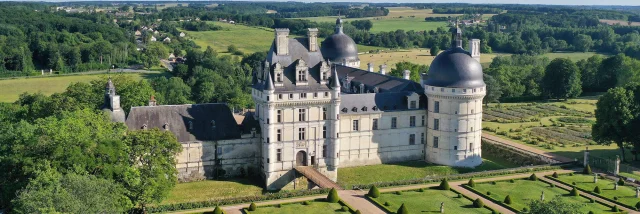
x,y
427,200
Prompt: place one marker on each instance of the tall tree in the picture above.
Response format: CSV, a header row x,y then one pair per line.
x,y
588,72
582,42
561,80
614,115
493,90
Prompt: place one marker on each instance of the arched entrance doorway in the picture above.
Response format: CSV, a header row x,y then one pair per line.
x,y
301,158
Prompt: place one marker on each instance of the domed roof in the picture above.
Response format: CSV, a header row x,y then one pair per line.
x,y
455,68
339,46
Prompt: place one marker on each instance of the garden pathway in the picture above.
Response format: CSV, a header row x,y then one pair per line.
x,y
565,187
356,199
525,147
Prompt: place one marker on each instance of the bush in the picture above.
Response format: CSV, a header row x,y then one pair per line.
x,y
507,200
478,203
555,175
591,212
615,208
471,183
525,210
596,190
494,183
533,177
587,170
459,195
358,212
306,203
345,209
374,192
402,210
278,205
488,193
615,198
574,192
638,205
512,181
444,185
386,203
573,183
592,201
620,182
252,207
552,185
571,174
217,210
420,190
333,196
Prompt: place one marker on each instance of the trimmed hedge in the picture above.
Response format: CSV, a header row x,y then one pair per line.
x,y
574,192
533,177
471,183
587,170
461,176
597,190
555,174
507,200
253,207
374,192
444,185
478,203
596,195
238,200
333,196
402,210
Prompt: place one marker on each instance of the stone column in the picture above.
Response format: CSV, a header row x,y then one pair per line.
x,y
595,177
586,157
617,167
615,186
441,207
542,196
637,192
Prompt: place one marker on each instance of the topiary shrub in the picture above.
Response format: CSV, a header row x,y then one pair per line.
x,y
574,192
488,193
358,212
615,208
478,203
587,170
573,183
345,209
591,212
278,205
402,210
507,200
398,193
471,183
494,182
512,181
386,203
253,207
459,195
592,201
306,203
638,205
525,210
333,196
218,210
615,198
552,185
533,177
596,190
620,182
444,185
374,192
571,174
420,190
555,175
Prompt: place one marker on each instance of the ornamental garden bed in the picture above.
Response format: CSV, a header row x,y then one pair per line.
x,y
624,195
427,201
523,191
318,206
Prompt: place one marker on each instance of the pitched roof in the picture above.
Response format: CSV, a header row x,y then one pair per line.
x,y
371,80
377,102
197,122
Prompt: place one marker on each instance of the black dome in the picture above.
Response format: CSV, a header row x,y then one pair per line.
x,y
339,46
455,68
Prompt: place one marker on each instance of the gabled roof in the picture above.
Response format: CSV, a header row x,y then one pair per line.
x,y
197,122
384,83
377,102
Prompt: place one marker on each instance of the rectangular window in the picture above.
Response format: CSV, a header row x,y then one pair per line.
x,y
279,135
279,155
422,138
324,151
324,132
471,147
455,148
422,120
290,96
302,76
436,124
326,94
436,107
413,105
412,139
412,121
279,77
301,134
279,96
302,115
315,95
279,116
375,124
435,142
324,113
394,122
324,75
219,150
355,125
303,96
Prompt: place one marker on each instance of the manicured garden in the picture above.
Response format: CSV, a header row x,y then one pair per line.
x,y
624,194
312,207
428,200
411,170
522,191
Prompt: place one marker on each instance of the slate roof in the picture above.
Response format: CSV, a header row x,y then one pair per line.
x,y
384,83
179,117
455,68
377,102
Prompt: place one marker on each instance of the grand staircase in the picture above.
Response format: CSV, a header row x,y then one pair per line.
x,y
316,177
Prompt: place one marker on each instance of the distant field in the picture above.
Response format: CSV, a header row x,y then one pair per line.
x,y
12,88
419,56
619,22
574,56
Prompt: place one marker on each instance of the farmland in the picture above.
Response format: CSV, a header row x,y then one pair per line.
x,y
418,56
619,22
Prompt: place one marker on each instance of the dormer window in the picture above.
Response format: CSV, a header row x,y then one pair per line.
x,y
375,108
345,110
302,76
364,108
279,77
190,125
354,109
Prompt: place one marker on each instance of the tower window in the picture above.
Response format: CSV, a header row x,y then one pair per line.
x,y
279,77
413,105
436,124
394,122
290,96
422,120
455,148
279,135
324,151
435,142
436,107
422,138
315,95
279,155
279,115
303,96
355,125
302,114
375,124
412,139
279,96
324,131
326,94
324,113
301,134
302,76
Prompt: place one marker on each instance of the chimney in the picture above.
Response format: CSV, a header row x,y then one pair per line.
x,y
152,101
406,74
370,66
474,49
282,41
383,69
313,39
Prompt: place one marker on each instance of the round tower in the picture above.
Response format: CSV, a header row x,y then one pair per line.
x,y
454,90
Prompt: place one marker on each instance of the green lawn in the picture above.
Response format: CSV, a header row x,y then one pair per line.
x,y
625,194
429,202
524,191
316,207
211,189
12,88
410,170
